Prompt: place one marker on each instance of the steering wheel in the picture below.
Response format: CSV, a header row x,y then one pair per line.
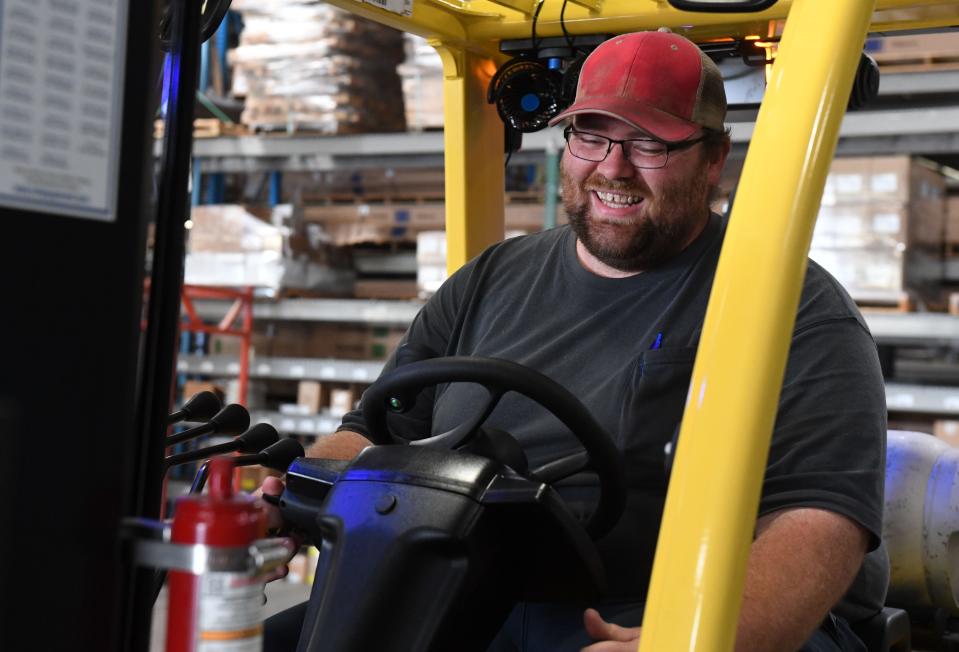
x,y
395,392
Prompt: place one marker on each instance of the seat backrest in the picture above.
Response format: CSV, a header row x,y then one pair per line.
x,y
921,521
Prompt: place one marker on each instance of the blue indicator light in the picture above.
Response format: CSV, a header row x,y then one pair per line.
x,y
530,102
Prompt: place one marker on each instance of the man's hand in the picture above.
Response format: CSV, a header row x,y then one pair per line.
x,y
271,487
342,445
800,564
609,637
274,522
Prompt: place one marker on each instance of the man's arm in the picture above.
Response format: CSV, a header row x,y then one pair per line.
x,y
801,563
341,445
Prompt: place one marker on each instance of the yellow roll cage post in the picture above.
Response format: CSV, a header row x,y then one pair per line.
x,y
696,586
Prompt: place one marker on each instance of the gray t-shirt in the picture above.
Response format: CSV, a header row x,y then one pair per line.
x,y
625,348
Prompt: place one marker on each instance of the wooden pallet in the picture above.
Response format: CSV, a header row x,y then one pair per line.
x,y
397,196
214,128
901,303
401,196
950,249
206,128
928,63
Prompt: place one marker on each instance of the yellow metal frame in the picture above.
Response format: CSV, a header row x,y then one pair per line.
x,y
694,597
715,485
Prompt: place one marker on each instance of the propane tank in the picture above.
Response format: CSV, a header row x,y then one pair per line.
x,y
218,606
921,521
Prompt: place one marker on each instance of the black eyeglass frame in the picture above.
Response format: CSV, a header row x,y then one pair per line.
x,y
670,147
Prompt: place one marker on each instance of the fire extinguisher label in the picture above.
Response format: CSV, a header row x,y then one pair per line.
x,y
230,617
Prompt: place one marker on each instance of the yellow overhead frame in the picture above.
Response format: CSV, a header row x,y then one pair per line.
x,y
694,596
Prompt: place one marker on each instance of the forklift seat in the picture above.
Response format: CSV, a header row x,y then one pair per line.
x,y
887,631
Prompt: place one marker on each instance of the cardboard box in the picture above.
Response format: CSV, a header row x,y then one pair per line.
x,y
342,400
385,289
193,387
342,341
384,341
352,341
917,47
228,228
952,220
864,272
229,345
312,396
902,178
947,430
282,340
256,391
251,477
348,224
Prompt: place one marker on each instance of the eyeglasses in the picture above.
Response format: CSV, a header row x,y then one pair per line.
x,y
643,153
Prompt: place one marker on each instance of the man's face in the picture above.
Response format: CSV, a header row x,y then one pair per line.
x,y
634,219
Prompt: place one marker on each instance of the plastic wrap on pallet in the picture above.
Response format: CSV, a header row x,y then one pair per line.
x,y
881,228
229,246
306,66
422,75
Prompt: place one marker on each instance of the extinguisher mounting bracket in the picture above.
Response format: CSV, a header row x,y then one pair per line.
x,y
152,547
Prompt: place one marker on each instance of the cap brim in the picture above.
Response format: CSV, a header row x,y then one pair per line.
x,y
655,122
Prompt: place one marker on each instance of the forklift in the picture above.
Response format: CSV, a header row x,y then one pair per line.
x,y
83,335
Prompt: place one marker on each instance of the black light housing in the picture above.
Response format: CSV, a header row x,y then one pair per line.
x,y
722,6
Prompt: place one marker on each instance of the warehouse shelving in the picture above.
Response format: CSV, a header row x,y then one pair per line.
x,y
922,399
892,328
888,328
915,328
329,369
886,131
362,311
314,425
902,397
930,130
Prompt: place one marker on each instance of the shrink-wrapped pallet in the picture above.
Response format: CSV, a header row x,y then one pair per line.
x,y
422,75
307,66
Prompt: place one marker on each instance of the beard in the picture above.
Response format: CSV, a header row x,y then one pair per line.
x,y
667,223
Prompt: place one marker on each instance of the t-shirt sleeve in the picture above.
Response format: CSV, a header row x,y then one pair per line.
x,y
828,446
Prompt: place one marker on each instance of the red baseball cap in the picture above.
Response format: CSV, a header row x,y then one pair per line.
x,y
658,82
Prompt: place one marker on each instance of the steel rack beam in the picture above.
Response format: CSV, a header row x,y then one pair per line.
x,y
357,311
928,130
923,399
329,369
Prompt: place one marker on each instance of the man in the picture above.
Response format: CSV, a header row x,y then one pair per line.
x,y
612,308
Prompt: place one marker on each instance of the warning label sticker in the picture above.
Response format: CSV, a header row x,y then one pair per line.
x,y
401,7
230,617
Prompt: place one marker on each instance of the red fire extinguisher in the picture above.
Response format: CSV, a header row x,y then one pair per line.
x,y
217,605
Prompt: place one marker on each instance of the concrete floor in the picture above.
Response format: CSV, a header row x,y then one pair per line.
x,y
280,595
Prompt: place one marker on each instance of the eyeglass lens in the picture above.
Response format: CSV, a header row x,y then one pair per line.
x,y
642,153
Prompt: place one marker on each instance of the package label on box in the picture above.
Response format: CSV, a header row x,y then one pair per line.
x,y
886,223
848,184
886,183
